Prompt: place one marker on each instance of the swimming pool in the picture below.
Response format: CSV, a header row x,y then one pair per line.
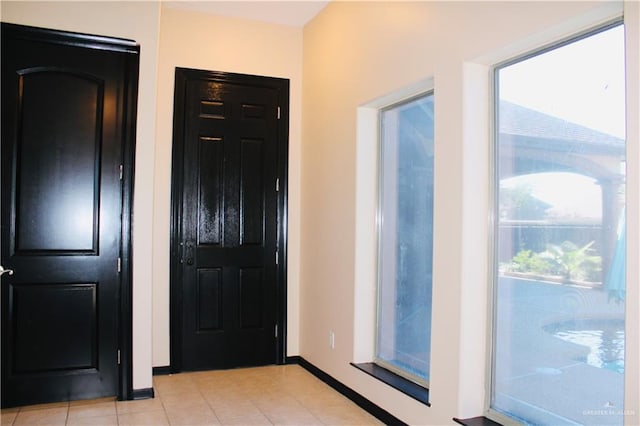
x,y
603,337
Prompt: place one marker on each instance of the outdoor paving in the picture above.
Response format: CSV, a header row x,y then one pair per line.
x,y
544,378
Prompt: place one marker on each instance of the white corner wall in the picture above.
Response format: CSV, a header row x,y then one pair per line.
x,y
137,21
356,53
209,42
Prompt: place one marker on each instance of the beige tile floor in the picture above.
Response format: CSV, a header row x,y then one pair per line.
x,y
279,395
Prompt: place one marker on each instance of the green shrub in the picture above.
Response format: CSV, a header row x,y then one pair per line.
x,y
566,260
527,261
571,261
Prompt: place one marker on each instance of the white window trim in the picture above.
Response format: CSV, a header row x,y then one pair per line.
x,y
599,22
366,211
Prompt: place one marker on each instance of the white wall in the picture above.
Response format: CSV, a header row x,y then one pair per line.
x,y
137,21
209,42
354,53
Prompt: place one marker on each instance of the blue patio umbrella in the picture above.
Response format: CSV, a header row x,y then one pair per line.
x,y
616,285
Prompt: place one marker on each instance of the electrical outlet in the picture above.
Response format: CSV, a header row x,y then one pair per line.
x,y
332,340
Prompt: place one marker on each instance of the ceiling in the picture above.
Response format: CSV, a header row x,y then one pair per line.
x,y
291,12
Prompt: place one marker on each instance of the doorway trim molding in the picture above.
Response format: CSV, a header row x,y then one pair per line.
x,y
182,75
131,50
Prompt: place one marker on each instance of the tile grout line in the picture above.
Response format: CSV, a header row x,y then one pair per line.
x,y
206,401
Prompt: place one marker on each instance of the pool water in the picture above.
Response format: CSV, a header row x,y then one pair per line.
x,y
604,338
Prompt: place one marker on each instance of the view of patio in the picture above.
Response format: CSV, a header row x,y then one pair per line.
x,y
559,322
556,339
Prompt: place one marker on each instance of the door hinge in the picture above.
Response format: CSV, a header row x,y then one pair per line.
x,y
119,265
121,171
278,113
277,258
118,356
277,184
276,331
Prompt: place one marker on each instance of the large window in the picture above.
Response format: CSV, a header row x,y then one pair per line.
x,y
405,238
559,288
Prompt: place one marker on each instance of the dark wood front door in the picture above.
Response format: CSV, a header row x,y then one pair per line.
x,y
66,108
230,134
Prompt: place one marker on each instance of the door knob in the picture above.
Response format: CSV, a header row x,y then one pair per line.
x,y
5,271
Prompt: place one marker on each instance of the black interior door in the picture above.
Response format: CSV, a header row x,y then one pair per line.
x,y
228,227
63,125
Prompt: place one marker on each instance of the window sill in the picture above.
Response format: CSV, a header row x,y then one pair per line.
x,y
476,421
397,382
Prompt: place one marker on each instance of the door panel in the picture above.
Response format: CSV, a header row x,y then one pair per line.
x,y
251,192
210,190
63,132
55,327
57,210
209,299
227,279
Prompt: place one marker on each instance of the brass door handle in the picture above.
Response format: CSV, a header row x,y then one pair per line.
x,y
5,271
